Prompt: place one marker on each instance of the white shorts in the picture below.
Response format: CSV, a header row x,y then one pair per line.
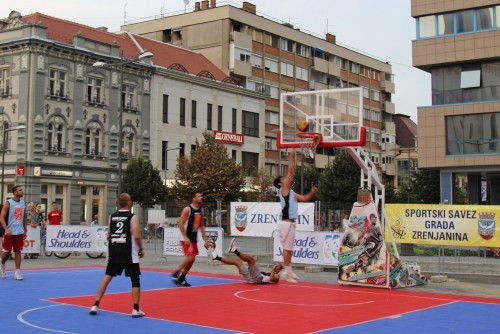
x,y
287,234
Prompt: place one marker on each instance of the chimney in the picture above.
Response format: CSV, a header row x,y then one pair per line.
x,y
103,28
212,4
204,4
197,6
330,38
249,7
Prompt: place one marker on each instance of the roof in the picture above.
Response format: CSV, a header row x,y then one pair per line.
x,y
164,55
406,130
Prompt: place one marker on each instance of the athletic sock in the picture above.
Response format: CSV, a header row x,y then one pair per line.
x,y
182,277
288,268
237,252
136,307
96,303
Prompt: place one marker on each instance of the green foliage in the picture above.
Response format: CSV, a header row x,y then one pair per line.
x,y
425,186
340,181
143,182
210,171
310,175
261,188
390,194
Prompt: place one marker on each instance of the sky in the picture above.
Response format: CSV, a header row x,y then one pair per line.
x,y
380,29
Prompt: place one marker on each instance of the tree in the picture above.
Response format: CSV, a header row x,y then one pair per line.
x,y
261,188
340,180
143,183
425,186
311,177
210,171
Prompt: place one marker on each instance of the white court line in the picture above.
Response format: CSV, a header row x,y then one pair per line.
x,y
238,295
388,317
20,318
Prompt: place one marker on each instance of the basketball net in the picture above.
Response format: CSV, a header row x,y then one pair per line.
x,y
310,141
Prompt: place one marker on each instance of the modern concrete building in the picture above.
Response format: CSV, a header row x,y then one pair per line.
x,y
267,56
458,42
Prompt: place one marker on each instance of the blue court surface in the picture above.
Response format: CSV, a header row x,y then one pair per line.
x,y
58,300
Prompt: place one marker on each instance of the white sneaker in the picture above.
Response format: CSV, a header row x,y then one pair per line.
x,y
288,276
2,271
17,276
138,314
93,310
232,246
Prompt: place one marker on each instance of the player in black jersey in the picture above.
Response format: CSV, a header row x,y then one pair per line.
x,y
124,252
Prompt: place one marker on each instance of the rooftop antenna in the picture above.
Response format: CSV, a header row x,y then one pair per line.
x,y
125,13
162,10
186,2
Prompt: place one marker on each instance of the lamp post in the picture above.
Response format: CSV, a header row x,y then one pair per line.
x,y
121,64
166,150
20,127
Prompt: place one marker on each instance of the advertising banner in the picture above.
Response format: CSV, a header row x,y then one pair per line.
x,y
172,243
444,225
255,219
363,254
320,248
75,238
32,241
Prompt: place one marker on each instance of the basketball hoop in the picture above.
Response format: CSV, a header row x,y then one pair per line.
x,y
310,140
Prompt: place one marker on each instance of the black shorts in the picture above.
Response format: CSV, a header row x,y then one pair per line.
x,y
116,269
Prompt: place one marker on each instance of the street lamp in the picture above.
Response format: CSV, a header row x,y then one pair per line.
x,y
19,127
166,150
121,64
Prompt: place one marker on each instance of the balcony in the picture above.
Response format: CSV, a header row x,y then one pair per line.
x,y
242,68
242,40
388,86
325,66
389,107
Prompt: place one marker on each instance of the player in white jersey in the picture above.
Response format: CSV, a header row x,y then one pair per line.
x,y
249,268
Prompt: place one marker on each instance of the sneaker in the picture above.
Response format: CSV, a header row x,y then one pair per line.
x,y
17,276
93,310
183,283
174,277
295,277
288,276
2,271
138,314
210,253
232,246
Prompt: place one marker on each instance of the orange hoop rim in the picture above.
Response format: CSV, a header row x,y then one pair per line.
x,y
315,138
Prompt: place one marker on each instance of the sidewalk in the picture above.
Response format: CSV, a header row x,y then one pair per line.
x,y
154,259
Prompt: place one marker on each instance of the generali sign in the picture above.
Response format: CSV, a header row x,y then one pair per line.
x,y
229,137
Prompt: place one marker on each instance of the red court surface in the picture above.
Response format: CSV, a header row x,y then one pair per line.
x,y
284,308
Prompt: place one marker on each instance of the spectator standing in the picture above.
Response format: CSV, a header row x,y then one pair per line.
x,y
32,217
95,222
55,216
15,230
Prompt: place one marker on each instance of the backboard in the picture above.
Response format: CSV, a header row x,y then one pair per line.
x,y
336,114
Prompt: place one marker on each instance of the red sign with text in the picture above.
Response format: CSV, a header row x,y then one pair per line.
x,y
229,137
20,170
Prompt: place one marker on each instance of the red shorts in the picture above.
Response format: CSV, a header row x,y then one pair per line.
x,y
13,241
191,249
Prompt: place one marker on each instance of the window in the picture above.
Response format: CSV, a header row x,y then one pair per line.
x,y
302,73
465,21
375,95
302,50
250,124
484,18
242,55
193,113
445,24
219,119
272,117
233,154
250,162
5,88
354,67
94,90
182,149
271,65
129,97
376,75
164,154
209,116
287,69
287,45
233,120
93,139
365,71
256,61
128,142
55,137
275,40
165,109
58,83
182,110
426,26
470,76
473,134
366,93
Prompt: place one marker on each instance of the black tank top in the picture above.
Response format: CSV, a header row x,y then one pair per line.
x,y
194,222
120,237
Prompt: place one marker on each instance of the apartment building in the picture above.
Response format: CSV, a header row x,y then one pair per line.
x,y
457,43
267,56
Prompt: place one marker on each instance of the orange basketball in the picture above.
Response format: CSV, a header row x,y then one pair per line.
x,y
303,125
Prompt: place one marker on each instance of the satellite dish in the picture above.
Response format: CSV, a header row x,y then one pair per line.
x,y
186,2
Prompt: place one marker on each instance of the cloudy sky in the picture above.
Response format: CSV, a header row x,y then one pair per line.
x,y
383,29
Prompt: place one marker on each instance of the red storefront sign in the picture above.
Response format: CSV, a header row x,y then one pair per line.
x,y
20,170
229,137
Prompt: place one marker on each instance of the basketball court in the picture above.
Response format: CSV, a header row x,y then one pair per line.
x,y
58,300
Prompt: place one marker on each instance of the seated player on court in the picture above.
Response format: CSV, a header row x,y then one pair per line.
x,y
249,268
